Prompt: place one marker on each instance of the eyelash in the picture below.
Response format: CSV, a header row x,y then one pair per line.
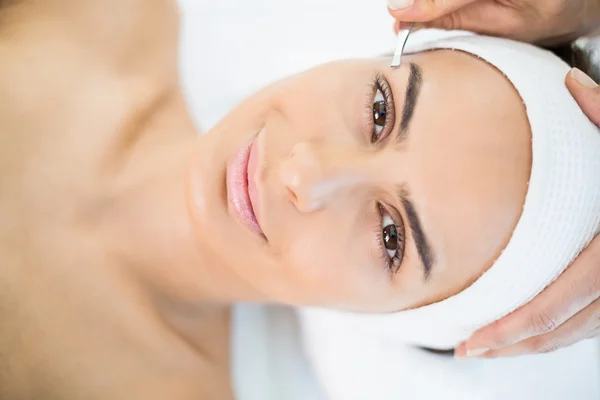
x,y
380,84
392,264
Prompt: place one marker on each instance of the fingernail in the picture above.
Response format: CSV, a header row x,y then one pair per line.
x,y
477,352
400,4
583,78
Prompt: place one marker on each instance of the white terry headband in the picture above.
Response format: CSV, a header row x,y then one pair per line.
x,y
561,213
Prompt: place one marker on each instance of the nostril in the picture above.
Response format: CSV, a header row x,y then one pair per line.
x,y
292,195
299,172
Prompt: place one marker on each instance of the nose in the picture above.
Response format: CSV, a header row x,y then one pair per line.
x,y
317,173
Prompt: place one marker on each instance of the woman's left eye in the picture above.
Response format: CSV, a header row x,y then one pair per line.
x,y
391,236
379,114
391,240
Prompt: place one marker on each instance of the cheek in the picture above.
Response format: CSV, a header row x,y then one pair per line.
x,y
333,262
244,121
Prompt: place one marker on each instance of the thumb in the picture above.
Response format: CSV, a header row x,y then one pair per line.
x,y
586,92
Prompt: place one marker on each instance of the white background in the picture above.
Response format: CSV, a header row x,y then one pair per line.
x,y
231,48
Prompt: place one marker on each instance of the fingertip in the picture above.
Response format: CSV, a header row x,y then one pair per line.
x,y
582,79
396,6
419,11
586,92
460,352
466,351
484,340
574,79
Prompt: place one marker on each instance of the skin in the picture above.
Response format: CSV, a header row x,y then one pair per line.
x,y
118,255
568,310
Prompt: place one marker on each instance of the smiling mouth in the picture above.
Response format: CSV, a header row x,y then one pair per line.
x,y
242,195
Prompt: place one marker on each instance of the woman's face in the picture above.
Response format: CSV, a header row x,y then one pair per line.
x,y
374,189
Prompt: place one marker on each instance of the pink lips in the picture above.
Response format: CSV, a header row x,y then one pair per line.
x,y
242,194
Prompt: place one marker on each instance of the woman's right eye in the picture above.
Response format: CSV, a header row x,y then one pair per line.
x,y
382,109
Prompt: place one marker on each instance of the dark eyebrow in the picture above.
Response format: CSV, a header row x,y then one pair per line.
x,y
421,241
410,100
415,79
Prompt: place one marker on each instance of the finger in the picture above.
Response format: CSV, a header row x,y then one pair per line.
x,y
574,290
398,26
586,92
575,329
424,10
594,334
484,17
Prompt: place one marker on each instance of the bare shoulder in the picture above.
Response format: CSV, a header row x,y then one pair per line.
x,y
111,60
131,36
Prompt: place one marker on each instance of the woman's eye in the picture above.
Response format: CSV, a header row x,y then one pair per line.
x,y
391,240
379,114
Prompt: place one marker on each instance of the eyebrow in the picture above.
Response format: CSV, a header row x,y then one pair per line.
x,y
421,241
413,90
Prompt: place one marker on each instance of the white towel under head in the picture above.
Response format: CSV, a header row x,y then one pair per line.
x,y
561,213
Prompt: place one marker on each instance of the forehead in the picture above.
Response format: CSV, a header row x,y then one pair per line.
x,y
468,160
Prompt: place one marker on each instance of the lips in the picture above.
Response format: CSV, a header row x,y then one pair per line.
x,y
242,193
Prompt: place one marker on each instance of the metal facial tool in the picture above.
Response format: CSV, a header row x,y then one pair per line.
x,y
400,47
